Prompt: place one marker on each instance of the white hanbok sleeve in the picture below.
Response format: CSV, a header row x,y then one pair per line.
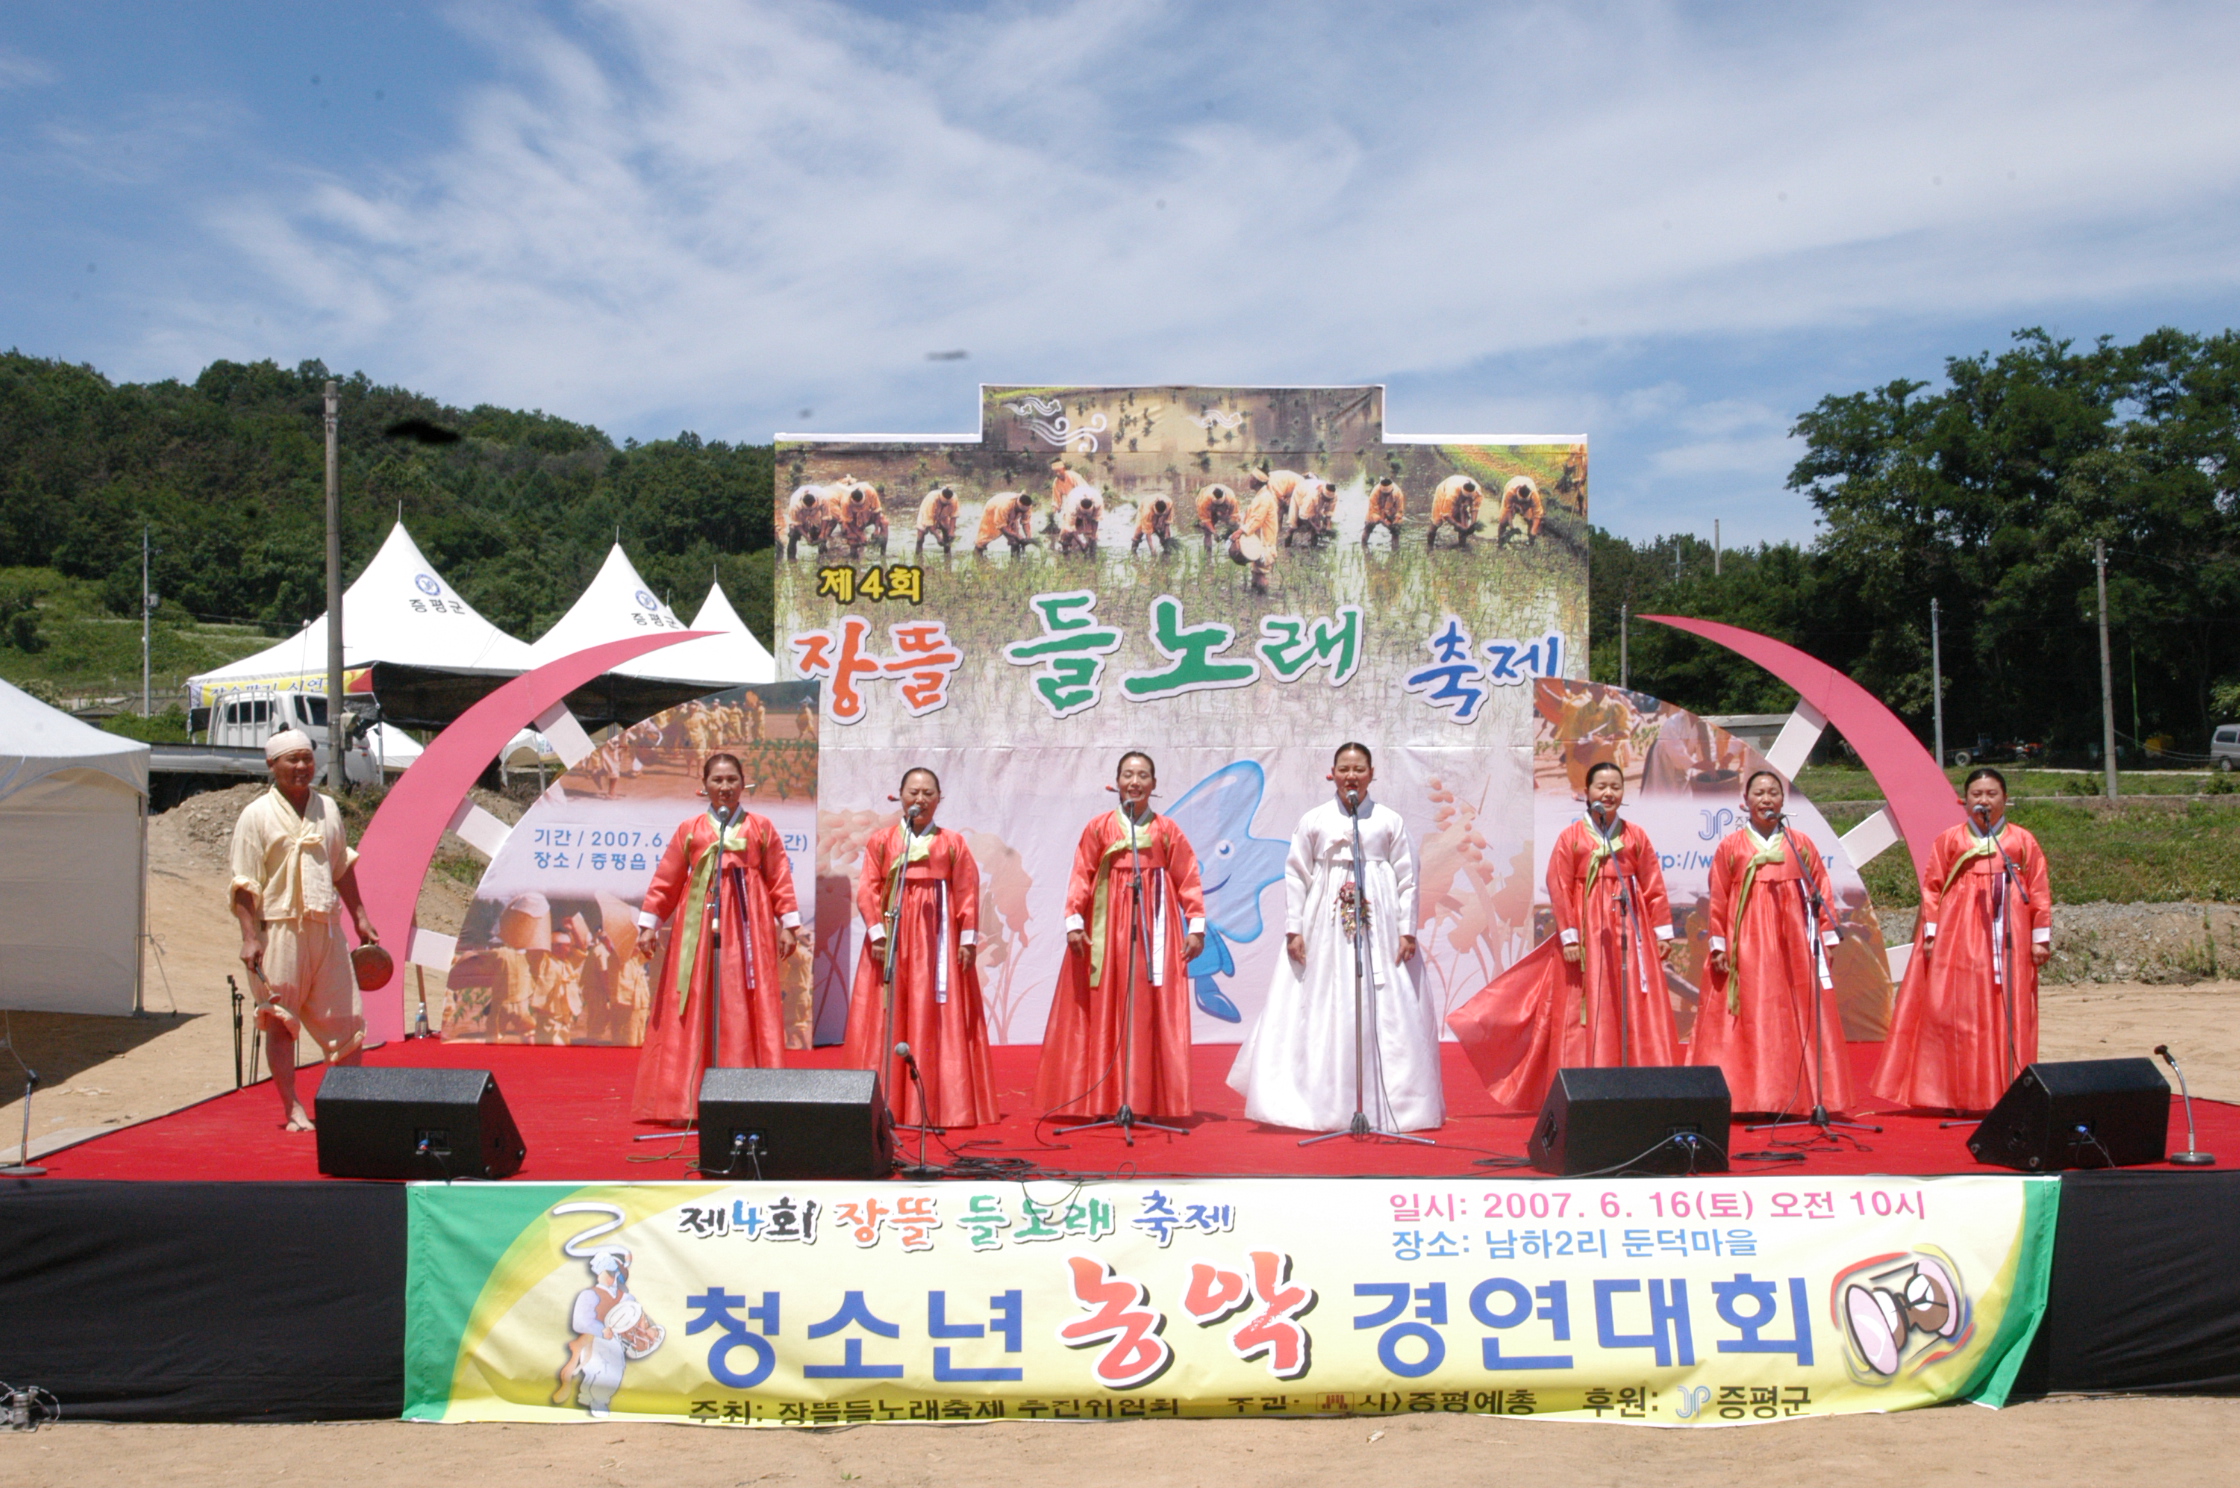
x,y
1298,876
1404,874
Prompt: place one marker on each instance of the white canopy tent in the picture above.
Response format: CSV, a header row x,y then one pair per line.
x,y
73,861
724,660
618,604
614,606
400,611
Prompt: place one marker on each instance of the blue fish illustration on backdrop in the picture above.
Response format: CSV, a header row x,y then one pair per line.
x,y
1235,866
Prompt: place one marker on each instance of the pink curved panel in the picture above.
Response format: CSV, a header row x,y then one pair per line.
x,y
1921,801
400,842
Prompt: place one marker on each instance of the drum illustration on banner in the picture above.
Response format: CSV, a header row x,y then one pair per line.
x,y
548,951
1235,580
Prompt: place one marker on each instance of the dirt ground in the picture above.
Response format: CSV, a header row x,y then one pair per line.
x,y
101,1073
2166,1443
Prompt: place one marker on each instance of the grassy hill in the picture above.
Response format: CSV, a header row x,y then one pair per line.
x,y
517,509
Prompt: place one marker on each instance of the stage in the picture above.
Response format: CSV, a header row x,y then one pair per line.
x,y
572,1105
116,1268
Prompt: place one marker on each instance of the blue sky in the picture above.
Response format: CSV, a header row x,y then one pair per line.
x,y
1670,227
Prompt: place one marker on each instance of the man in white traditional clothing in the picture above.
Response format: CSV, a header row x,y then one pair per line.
x,y
1298,1067
292,865
601,1320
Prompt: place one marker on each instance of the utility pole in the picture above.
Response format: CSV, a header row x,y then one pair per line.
x,y
1625,670
337,732
1715,547
2107,676
1936,679
147,608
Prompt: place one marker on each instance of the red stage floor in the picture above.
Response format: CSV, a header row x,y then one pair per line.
x,y
572,1107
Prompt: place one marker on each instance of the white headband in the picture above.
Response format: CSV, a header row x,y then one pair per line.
x,y
287,741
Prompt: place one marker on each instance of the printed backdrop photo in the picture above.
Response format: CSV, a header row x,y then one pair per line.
x,y
1235,580
548,951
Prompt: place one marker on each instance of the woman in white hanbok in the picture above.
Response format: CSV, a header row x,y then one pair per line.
x,y
1297,1066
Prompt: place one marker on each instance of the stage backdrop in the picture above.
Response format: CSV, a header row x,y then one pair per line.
x,y
1706,1302
1017,608
554,916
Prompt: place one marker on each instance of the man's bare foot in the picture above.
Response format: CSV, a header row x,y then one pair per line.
x,y
298,1120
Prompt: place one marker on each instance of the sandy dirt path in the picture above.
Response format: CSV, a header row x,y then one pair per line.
x,y
2164,1443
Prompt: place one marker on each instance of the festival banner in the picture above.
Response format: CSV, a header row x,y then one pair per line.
x,y
1234,579
1705,1302
547,954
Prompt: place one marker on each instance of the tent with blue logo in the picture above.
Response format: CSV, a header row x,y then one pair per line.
x,y
400,614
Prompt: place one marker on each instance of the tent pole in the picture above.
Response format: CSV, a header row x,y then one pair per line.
x,y
140,943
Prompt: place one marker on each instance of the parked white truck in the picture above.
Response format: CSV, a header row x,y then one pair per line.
x,y
248,716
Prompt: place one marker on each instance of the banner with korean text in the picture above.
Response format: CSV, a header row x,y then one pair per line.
x,y
1697,1302
1234,579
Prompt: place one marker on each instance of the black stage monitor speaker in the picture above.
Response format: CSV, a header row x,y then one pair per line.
x,y
793,1123
2079,1113
1645,1119
415,1123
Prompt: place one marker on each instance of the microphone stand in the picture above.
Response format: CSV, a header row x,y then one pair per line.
x,y
1360,1125
2008,875
2003,916
1815,912
1125,1117
1626,925
886,995
715,954
902,1052
23,1166
2193,1156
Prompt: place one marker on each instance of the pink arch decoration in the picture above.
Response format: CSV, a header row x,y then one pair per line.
x,y
1922,801
400,842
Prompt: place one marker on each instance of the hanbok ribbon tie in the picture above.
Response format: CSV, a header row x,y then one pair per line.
x,y
1135,837
1980,845
297,895
730,837
920,850
1767,854
1605,847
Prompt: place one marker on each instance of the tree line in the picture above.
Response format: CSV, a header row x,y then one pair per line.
x,y
517,510
1985,492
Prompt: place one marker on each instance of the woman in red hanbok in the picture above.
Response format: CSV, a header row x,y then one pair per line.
x,y
1967,1017
1084,1045
1770,986
937,1010
725,877
1601,1000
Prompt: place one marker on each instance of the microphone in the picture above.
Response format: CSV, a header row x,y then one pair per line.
x,y
1353,798
914,810
925,1111
2193,1156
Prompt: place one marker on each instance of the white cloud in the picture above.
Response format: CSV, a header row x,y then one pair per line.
x,y
20,71
715,214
